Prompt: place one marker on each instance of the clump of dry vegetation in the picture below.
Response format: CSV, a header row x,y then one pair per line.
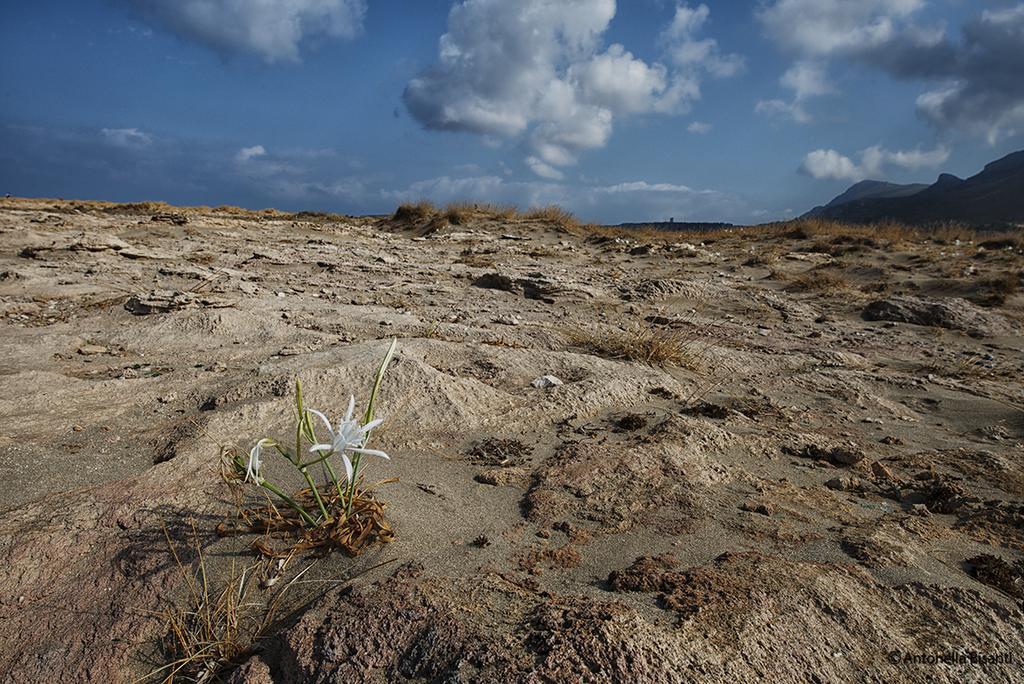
x,y
460,213
212,629
653,345
553,215
996,290
817,280
417,212
764,257
425,215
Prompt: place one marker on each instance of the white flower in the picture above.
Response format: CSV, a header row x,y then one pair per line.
x,y
252,470
349,436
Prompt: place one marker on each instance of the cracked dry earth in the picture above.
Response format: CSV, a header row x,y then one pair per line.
x,y
811,497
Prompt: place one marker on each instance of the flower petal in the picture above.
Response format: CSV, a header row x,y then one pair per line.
x,y
370,452
351,407
322,447
323,418
372,424
348,467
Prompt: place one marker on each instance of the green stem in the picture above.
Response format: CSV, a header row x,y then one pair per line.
x,y
302,421
290,501
334,477
316,493
352,484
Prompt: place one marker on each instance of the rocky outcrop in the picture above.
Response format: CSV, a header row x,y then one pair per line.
x,y
952,313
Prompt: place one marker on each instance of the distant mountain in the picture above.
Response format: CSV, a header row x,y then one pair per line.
x,y
993,197
870,189
681,226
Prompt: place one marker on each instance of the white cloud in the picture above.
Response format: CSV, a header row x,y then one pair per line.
x,y
247,153
783,109
621,83
821,28
255,163
688,51
699,128
817,30
806,79
272,29
131,138
535,70
831,165
875,158
543,169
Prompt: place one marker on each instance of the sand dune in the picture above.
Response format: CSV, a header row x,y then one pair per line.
x,y
787,490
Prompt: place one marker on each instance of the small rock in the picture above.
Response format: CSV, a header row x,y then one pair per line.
x,y
495,281
881,471
846,456
844,484
759,508
92,349
546,381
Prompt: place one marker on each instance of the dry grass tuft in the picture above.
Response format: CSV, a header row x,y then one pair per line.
x,y
764,257
415,213
553,215
460,213
653,345
995,291
214,629
817,280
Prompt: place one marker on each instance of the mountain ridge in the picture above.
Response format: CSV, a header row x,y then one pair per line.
x,y
994,196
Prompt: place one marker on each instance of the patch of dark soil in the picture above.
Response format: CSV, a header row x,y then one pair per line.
x,y
631,422
707,410
940,494
496,452
536,560
999,523
495,281
995,572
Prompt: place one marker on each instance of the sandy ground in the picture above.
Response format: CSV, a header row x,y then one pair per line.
x,y
809,496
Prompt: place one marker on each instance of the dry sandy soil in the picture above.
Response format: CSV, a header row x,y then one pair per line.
x,y
806,495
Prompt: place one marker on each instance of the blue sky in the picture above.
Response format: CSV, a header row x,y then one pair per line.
x,y
734,111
